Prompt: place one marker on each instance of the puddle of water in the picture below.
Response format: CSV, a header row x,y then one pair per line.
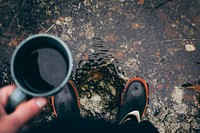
x,y
99,85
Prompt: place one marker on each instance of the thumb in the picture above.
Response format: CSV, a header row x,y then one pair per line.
x,y
25,111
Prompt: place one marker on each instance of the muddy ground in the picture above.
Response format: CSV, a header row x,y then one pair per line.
x,y
112,41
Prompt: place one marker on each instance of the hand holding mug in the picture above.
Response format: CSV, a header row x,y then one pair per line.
x,y
11,123
40,66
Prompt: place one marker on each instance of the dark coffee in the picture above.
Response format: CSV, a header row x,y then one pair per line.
x,y
42,69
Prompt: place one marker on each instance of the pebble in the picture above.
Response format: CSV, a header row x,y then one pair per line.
x,y
190,47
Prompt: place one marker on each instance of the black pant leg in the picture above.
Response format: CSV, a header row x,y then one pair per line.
x,y
81,125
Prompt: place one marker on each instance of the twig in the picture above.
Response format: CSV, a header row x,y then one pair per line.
x,y
12,22
109,62
138,11
49,28
42,27
155,8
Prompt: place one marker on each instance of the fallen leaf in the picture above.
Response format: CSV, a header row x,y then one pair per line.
x,y
13,42
163,16
109,14
85,56
119,55
170,32
140,2
136,26
111,38
194,87
61,19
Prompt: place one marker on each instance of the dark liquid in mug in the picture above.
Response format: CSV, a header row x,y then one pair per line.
x,y
43,70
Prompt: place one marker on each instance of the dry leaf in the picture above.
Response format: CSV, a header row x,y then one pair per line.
x,y
119,55
194,87
13,42
111,38
61,19
140,2
136,26
85,56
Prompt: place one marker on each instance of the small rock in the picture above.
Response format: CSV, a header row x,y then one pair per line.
x,y
89,31
177,94
190,47
67,19
87,2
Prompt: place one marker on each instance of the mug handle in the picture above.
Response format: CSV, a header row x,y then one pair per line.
x,y
15,99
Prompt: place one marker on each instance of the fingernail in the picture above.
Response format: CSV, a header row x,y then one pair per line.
x,y
41,102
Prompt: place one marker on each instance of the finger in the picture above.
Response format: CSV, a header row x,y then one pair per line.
x,y
25,111
5,92
2,111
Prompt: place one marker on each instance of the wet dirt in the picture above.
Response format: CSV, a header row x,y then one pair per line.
x,y
96,80
112,41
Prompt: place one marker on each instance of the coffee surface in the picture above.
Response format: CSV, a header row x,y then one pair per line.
x,y
43,70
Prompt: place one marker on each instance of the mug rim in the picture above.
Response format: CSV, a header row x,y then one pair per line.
x,y
62,84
